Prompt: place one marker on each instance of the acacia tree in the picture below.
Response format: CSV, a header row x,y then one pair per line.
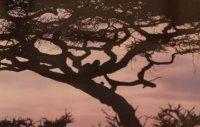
x,y
88,26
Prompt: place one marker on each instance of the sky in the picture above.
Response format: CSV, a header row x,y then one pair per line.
x,y
27,94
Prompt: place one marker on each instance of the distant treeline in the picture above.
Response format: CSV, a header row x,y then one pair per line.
x,y
171,116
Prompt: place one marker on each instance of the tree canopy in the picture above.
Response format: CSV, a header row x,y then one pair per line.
x,y
78,28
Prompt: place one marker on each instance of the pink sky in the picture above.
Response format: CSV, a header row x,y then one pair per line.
x,y
28,94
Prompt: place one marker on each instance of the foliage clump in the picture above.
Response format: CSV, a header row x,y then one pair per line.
x,y
177,116
44,122
171,116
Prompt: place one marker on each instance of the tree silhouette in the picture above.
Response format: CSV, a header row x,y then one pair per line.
x,y
63,121
171,116
176,116
80,28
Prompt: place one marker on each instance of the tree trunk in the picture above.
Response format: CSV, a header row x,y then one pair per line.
x,y
106,96
124,110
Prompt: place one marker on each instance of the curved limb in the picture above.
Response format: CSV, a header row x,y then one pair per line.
x,y
125,111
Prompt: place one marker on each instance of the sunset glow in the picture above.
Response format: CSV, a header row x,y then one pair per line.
x,y
27,94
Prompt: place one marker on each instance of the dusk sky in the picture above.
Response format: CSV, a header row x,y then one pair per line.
x,y
61,36
28,94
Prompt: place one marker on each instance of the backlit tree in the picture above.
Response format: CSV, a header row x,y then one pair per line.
x,y
80,28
